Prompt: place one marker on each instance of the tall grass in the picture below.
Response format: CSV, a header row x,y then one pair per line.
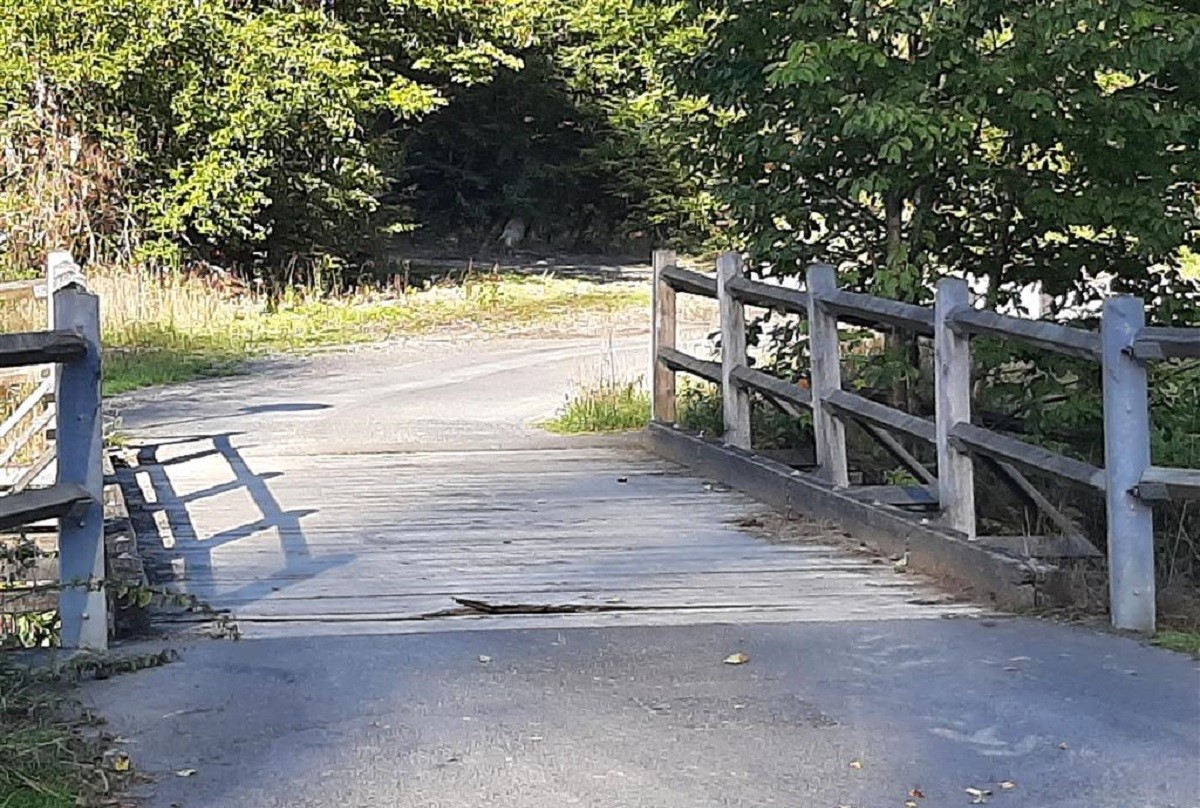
x,y
604,407
161,328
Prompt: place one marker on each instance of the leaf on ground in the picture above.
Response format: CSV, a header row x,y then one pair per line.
x,y
622,479
1007,785
186,772
856,764
1064,745
917,793
737,659
117,760
902,564
910,804
979,795
484,659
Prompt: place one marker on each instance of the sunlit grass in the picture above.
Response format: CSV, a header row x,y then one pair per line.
x,y
606,407
1185,642
170,328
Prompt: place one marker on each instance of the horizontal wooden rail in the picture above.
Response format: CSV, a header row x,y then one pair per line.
x,y
1026,455
685,280
1122,346
40,503
680,362
1061,339
772,386
1161,483
872,311
769,296
19,290
40,348
1167,343
872,412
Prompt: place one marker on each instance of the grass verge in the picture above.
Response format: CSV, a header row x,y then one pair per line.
x,y
168,328
45,762
1185,642
608,407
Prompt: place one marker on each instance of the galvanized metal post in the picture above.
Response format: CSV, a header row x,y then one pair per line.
x,y
83,603
1126,456
662,331
952,382
825,371
735,399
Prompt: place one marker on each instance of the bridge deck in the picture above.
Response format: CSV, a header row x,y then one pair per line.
x,y
597,536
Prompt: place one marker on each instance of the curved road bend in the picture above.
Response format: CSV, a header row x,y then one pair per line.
x,y
337,505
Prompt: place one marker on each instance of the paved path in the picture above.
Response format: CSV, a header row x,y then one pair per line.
x,y
337,507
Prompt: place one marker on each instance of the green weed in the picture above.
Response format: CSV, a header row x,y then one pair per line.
x,y
603,408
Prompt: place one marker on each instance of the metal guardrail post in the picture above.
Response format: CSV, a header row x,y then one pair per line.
x,y
83,603
1126,457
662,330
735,399
952,381
825,361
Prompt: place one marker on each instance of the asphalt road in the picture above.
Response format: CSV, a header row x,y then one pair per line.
x,y
863,688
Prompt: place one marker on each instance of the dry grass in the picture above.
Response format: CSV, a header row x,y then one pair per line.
x,y
171,327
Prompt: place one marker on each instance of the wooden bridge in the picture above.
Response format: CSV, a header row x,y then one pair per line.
x,y
416,497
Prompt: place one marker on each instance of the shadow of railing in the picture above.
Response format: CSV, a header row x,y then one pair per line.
x,y
182,540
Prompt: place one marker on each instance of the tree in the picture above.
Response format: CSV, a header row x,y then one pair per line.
x,y
1045,141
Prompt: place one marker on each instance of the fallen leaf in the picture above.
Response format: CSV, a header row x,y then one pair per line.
x,y
902,564
979,795
484,659
1007,784
736,659
856,764
117,760
185,772
910,804
622,479
917,793
1063,745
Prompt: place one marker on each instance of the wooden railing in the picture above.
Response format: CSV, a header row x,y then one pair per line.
x,y
75,498
1129,481
26,431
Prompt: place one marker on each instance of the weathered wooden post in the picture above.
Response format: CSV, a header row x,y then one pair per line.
x,y
825,371
735,399
952,382
662,331
83,603
1126,456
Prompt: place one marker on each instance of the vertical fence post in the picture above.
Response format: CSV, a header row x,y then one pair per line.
x,y
662,331
825,358
1126,456
952,383
83,602
735,399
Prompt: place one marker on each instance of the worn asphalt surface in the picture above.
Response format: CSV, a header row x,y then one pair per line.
x,y
862,687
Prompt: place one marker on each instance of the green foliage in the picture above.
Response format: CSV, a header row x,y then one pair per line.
x,y
900,140
607,407
581,140
259,135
